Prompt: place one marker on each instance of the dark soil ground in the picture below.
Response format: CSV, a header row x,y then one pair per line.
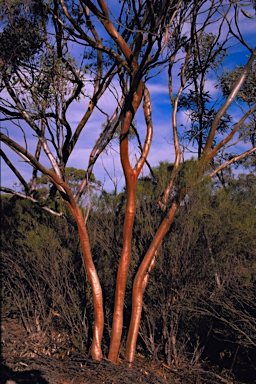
x,y
24,362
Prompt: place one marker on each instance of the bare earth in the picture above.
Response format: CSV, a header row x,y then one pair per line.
x,y
23,362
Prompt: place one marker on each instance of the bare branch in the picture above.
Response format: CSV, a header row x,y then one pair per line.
x,y
227,104
55,179
14,170
232,161
33,200
149,135
232,133
100,145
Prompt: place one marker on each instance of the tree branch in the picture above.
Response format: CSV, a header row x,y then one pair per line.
x,y
30,198
227,104
233,160
149,135
14,170
232,133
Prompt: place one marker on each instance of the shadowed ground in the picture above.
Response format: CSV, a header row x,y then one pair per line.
x,y
21,365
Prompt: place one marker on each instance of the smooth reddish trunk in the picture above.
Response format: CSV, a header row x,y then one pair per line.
x,y
131,176
96,351
140,285
123,268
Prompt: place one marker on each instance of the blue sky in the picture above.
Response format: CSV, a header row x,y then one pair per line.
x,y
161,148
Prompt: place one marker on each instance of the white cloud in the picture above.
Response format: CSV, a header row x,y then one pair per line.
x,y
157,89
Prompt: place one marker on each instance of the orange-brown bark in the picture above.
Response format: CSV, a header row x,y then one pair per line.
x,y
139,283
131,176
96,351
124,263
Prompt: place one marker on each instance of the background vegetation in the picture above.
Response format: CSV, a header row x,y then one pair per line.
x,y
200,303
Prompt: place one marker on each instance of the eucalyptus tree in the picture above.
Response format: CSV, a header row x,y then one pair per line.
x,y
118,49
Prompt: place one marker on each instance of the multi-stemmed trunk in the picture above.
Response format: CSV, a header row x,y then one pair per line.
x,y
131,176
140,283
